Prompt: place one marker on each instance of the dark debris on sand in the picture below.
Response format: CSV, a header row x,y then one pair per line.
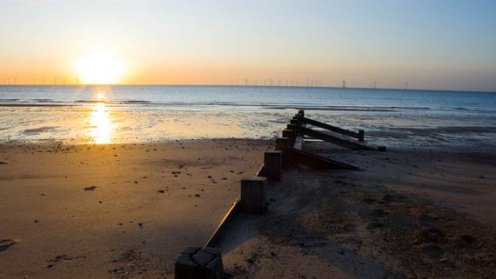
x,y
90,188
134,263
6,244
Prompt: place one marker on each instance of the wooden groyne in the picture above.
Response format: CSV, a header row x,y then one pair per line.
x,y
206,261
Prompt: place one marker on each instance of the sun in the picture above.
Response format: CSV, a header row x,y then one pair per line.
x,y
100,67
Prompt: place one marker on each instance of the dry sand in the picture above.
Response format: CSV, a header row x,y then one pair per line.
x,y
407,214
126,211
114,211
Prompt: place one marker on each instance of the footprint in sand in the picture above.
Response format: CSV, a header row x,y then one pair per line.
x,y
393,198
467,241
434,235
90,188
373,226
432,250
5,244
428,235
380,213
369,200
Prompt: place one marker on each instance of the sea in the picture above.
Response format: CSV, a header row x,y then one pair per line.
x,y
99,114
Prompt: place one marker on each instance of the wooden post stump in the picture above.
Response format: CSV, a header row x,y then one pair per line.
x,y
253,196
361,135
282,143
199,263
272,165
290,134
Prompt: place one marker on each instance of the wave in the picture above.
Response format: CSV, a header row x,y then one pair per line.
x,y
47,102
139,102
44,100
9,100
39,130
35,105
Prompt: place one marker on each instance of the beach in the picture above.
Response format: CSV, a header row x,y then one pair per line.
x,y
406,214
114,211
247,139
108,184
128,210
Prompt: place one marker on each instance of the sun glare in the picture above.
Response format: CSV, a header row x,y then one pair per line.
x,y
100,119
100,67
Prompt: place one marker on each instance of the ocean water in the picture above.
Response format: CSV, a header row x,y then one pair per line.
x,y
124,114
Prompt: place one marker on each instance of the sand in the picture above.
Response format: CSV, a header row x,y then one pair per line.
x,y
126,211
406,214
114,211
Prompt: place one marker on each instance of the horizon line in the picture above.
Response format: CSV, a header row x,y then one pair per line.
x,y
232,85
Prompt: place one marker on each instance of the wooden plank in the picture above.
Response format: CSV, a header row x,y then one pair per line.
x,y
260,171
317,162
282,144
272,165
298,143
332,128
197,262
230,215
290,134
333,139
253,195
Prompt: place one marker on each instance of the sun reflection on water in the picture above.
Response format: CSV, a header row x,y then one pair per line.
x,y
100,119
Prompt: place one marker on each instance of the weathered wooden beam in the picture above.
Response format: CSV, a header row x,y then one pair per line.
x,y
335,129
226,220
361,135
282,143
261,171
253,195
298,143
290,134
333,139
295,122
316,162
197,262
273,165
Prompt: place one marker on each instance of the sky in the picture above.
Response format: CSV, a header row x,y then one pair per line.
x,y
425,44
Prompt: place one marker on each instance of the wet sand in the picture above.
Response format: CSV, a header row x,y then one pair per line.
x,y
406,214
114,211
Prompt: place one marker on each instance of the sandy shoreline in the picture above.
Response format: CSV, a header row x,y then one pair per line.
x,y
150,201
406,214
